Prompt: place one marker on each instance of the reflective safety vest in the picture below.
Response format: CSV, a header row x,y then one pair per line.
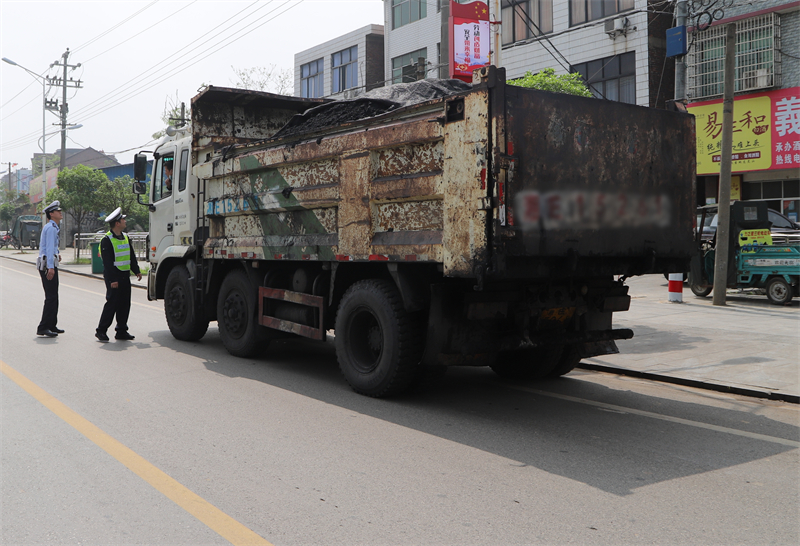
x,y
122,251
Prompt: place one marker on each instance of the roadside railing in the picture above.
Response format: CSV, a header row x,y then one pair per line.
x,y
138,239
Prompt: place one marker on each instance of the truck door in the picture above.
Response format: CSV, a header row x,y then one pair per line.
x,y
162,220
184,199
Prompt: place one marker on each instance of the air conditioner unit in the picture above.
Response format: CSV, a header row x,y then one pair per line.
x,y
615,27
756,79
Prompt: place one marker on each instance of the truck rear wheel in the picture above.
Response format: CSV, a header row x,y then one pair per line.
x,y
570,358
236,315
377,344
531,363
185,321
778,291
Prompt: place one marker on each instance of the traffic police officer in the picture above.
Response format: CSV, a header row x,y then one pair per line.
x,y
47,263
118,262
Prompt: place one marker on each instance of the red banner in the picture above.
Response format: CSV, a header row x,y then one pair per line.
x,y
470,39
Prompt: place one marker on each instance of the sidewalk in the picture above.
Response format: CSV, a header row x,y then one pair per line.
x,y
748,347
29,256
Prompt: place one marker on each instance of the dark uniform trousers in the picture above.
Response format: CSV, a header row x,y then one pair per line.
x,y
118,302
50,311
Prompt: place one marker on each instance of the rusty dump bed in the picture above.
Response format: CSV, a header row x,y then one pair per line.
x,y
493,181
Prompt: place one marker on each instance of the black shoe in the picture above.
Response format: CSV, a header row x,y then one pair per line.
x,y
124,336
48,333
101,336
58,330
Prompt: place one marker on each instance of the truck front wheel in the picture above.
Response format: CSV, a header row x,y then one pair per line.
x,y
236,315
377,343
185,321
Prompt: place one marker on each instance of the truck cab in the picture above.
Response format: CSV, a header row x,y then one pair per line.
x,y
173,204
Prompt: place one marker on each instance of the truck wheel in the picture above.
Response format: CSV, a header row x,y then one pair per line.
x,y
377,343
531,363
185,321
236,315
699,290
570,358
778,291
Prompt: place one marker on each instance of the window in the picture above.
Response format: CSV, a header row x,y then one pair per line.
x,y
523,19
162,187
344,69
404,67
408,11
581,11
184,170
311,79
758,63
612,78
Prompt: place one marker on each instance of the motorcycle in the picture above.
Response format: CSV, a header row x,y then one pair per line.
x,y
9,240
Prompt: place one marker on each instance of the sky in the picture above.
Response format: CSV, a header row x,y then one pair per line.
x,y
134,55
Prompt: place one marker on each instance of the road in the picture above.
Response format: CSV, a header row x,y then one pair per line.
x,y
162,442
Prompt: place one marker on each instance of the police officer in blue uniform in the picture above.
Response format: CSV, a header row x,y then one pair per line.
x,y
47,263
119,260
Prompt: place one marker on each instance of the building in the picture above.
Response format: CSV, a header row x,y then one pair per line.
x,y
343,67
84,156
766,112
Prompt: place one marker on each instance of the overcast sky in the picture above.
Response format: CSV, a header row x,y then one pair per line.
x,y
134,54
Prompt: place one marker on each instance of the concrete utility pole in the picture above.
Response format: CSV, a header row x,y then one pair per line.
x,y
724,214
64,83
681,16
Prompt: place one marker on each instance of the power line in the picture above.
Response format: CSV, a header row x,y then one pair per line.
x,y
104,33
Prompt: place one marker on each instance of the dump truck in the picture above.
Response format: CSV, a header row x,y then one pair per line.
x,y
425,225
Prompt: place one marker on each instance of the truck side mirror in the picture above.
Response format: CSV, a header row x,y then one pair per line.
x,y
139,170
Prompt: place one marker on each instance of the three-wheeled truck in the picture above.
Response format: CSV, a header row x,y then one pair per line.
x,y
753,261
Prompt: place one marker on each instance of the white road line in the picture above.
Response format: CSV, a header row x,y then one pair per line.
x,y
622,409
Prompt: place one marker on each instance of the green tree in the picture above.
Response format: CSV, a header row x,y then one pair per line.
x,y
51,162
77,192
265,78
13,204
118,193
547,80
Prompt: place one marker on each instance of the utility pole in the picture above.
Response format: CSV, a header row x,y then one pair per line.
x,y
724,214
681,16
64,83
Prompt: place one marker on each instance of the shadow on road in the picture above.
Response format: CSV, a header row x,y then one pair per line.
x,y
607,449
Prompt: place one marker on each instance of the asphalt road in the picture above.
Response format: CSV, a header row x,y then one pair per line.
x,y
157,441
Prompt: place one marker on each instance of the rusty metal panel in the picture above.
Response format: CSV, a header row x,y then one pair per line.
x,y
411,159
596,178
466,149
408,215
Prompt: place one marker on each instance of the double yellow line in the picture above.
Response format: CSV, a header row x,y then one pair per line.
x,y
208,514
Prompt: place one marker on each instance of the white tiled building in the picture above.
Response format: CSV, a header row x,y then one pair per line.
x,y
342,67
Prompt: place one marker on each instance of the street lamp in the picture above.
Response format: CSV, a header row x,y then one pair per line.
x,y
44,122
67,128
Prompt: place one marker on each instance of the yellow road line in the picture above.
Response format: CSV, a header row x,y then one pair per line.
x,y
101,294
208,514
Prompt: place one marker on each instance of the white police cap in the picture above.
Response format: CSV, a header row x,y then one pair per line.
x,y
116,215
55,205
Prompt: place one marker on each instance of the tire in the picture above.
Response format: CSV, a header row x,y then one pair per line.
x,y
185,321
570,358
378,345
779,292
236,315
526,364
700,290
16,244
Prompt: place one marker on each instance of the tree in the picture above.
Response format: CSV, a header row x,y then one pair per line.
x,y
12,206
546,80
77,191
118,193
170,115
265,78
51,162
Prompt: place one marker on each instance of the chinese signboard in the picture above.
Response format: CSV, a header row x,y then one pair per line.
x,y
469,39
766,132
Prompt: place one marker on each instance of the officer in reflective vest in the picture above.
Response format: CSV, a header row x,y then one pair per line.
x,y
119,260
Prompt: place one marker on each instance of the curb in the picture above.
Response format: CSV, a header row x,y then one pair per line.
x,y
64,270
718,387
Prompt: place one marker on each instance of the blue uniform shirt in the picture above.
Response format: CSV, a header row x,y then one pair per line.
x,y
48,244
